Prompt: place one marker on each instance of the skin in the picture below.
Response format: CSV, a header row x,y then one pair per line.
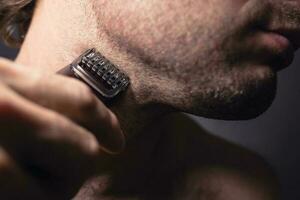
x,y
211,58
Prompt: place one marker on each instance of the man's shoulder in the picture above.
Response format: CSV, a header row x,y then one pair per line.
x,y
185,133
200,146
207,159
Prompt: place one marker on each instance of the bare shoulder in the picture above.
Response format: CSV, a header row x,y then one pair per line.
x,y
212,168
189,164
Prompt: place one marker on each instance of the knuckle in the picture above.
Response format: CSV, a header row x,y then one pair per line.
x,y
12,117
8,101
8,68
4,62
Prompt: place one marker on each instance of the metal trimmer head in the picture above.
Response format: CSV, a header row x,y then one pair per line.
x,y
100,74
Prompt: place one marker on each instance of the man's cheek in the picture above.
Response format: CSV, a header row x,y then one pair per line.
x,y
237,4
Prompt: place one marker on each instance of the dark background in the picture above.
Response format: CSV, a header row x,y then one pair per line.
x,y
274,135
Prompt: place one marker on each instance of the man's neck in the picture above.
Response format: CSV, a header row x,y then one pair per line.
x,y
58,35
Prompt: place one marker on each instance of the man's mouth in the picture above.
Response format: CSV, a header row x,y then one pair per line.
x,y
278,33
280,46
281,53
291,34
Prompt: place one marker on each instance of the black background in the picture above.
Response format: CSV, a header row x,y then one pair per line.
x,y
274,135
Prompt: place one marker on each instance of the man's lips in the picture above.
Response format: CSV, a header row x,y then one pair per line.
x,y
286,40
279,42
276,49
277,33
291,34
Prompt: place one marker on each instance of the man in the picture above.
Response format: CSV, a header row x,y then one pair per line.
x,y
213,58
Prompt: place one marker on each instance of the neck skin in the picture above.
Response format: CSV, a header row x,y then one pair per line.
x,y
55,38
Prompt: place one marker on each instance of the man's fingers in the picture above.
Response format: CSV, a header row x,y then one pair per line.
x,y
69,97
33,134
49,146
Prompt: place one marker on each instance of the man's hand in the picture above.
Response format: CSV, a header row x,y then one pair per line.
x,y
54,134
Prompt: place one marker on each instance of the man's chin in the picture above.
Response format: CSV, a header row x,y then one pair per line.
x,y
249,105
246,109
